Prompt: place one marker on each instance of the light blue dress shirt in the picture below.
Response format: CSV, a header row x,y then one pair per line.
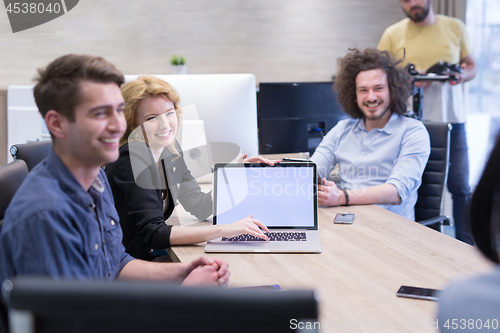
x,y
395,154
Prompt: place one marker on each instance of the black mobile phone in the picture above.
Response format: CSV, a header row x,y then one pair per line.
x,y
343,218
319,181
418,293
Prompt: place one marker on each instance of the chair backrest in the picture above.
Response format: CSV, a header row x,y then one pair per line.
x,y
430,193
32,152
11,177
126,306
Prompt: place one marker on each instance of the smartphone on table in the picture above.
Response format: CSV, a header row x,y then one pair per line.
x,y
344,218
418,293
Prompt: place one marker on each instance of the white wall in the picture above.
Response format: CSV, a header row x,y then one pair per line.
x,y
277,40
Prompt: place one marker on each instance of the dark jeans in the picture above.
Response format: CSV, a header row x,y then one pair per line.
x,y
458,183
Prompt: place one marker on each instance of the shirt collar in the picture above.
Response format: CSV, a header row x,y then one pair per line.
x,y
97,185
389,128
68,182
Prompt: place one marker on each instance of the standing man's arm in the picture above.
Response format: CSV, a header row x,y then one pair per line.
x,y
469,69
467,61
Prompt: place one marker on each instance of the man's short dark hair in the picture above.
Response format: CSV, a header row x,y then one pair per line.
x,y
58,85
357,61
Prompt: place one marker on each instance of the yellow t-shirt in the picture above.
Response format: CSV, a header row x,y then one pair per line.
x,y
445,40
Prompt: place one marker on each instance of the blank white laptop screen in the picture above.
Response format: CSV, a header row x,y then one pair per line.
x,y
283,196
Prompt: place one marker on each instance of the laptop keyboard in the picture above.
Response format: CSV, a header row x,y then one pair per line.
x,y
289,236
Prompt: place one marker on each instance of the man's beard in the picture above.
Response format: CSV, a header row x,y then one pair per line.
x,y
377,117
422,16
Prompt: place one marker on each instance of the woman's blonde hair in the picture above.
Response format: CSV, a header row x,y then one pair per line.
x,y
137,90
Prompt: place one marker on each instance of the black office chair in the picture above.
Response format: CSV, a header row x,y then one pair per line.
x,y
133,306
11,177
429,206
32,152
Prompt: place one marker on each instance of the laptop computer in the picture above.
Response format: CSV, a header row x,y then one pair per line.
x,y
283,197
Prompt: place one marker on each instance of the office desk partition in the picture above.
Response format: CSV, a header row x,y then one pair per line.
x,y
360,269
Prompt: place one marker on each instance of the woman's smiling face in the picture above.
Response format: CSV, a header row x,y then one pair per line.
x,y
159,118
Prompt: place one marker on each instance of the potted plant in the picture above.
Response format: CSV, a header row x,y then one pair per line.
x,y
178,65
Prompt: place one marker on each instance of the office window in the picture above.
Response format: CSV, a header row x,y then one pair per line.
x,y
483,123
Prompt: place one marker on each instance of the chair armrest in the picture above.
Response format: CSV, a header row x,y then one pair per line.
x,y
441,219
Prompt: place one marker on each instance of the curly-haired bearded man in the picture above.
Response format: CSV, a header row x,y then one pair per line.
x,y
381,153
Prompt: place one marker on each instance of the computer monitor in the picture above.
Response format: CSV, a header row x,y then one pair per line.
x,y
293,117
225,102
24,122
126,306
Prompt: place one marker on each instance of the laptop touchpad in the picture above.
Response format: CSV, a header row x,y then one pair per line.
x,y
264,246
257,246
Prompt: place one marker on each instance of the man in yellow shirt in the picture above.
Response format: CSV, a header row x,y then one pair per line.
x,y
425,38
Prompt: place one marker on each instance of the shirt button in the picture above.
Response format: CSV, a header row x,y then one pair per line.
x,y
362,153
178,186
96,246
151,251
173,169
112,222
103,242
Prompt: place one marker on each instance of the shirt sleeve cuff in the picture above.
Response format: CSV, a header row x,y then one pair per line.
x,y
126,258
402,191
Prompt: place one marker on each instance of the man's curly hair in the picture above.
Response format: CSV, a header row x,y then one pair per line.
x,y
355,62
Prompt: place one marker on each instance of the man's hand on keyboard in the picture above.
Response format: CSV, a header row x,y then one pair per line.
x,y
248,225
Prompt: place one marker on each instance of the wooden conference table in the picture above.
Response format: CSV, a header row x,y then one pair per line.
x,y
360,269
